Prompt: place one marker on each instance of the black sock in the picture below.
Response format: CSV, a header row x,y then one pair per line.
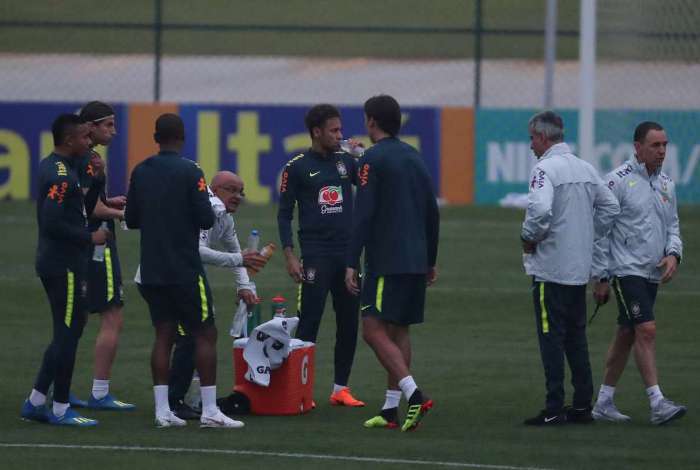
x,y
390,414
416,398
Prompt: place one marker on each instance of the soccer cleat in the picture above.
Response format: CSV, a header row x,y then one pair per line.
x,y
169,420
76,402
33,413
607,411
108,402
343,397
415,414
70,418
380,421
666,411
546,418
219,420
579,415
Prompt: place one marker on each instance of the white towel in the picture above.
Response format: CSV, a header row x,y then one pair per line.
x,y
267,348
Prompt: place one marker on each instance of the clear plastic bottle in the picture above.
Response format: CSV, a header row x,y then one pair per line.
x,y
253,241
99,252
354,150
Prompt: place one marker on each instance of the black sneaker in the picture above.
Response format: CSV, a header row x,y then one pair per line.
x,y
184,411
546,418
579,415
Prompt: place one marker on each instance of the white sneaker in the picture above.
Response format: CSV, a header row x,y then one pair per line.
x,y
169,420
218,420
607,411
666,411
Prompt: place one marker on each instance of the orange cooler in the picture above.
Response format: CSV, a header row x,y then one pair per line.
x,y
291,385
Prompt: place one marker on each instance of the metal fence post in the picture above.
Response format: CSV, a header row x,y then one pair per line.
x,y
157,47
477,53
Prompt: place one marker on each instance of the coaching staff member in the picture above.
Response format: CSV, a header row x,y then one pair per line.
x,y
568,202
168,201
397,223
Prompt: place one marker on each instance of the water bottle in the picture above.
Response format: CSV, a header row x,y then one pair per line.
x,y
253,316
99,252
354,150
253,241
279,307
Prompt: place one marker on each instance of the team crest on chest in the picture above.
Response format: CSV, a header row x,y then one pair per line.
x,y
342,171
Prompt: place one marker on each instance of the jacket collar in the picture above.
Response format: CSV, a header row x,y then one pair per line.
x,y
641,169
557,149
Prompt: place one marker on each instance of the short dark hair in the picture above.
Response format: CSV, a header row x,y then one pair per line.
x,y
63,126
643,129
169,129
96,111
548,124
318,115
386,112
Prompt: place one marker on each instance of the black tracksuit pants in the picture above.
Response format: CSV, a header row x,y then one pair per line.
x,y
324,274
560,315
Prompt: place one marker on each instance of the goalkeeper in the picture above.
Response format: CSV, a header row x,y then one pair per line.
x,y
226,192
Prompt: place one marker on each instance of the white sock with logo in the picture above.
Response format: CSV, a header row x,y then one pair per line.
x,y
209,407
59,409
408,386
100,388
392,400
606,393
160,393
37,398
655,395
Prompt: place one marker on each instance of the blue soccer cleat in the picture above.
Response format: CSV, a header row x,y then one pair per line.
x,y
76,402
70,418
33,413
108,402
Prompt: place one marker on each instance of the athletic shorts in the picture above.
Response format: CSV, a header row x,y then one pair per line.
x,y
66,295
394,298
105,283
189,305
635,300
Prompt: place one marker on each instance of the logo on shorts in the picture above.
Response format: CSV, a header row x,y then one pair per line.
x,y
636,309
121,291
330,198
83,289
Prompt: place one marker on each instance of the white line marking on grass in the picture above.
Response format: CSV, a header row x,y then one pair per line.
x,y
434,463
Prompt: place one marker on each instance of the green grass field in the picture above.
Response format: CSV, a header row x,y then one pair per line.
x,y
476,355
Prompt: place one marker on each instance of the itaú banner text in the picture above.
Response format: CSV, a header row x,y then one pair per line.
x,y
253,141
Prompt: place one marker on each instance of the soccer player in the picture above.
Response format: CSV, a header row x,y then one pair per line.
x,y
643,249
169,203
226,192
568,204
105,292
61,263
320,182
397,223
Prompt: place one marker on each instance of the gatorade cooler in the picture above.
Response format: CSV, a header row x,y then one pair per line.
x,y
291,385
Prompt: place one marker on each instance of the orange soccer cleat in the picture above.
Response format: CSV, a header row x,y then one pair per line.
x,y
343,397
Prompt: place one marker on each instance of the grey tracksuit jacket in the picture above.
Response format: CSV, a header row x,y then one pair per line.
x,y
647,228
569,206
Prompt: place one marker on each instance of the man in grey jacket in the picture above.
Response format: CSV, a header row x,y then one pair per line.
x,y
567,204
218,246
643,249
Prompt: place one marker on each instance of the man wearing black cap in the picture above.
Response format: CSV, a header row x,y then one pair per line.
x,y
105,293
168,201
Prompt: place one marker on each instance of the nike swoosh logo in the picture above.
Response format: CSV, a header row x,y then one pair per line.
x,y
365,307
632,183
314,174
549,420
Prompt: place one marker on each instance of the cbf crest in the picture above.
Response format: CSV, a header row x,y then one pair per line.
x,y
342,171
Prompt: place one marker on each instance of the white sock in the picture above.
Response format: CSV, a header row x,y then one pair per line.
x,y
160,393
337,388
392,400
606,393
37,398
59,409
408,386
100,388
655,395
209,400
